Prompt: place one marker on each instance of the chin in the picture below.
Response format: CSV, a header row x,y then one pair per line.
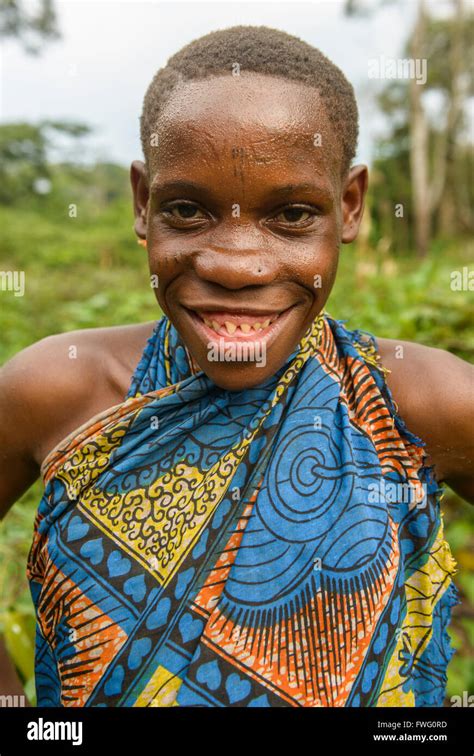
x,y
231,378
237,353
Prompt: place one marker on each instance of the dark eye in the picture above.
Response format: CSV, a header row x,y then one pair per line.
x,y
184,211
294,214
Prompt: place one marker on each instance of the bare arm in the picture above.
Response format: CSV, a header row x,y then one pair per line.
x,y
44,395
18,471
37,389
434,391
10,683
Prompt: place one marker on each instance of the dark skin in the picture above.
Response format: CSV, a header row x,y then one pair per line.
x,y
239,142
260,260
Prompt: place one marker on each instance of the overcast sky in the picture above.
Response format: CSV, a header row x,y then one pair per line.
x,y
109,51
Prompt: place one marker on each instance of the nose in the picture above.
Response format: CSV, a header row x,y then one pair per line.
x,y
236,264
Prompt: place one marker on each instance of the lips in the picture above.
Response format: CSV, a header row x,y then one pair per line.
x,y
239,326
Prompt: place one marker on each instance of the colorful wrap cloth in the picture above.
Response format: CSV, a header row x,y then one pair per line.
x,y
277,546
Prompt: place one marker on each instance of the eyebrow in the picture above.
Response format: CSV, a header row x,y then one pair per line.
x,y
176,185
277,191
289,188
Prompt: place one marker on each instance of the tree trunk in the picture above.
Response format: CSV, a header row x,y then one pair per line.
x,y
419,145
446,152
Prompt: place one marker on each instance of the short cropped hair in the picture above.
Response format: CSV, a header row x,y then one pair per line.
x,y
262,50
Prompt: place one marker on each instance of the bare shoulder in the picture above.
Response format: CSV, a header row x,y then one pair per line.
x,y
434,392
55,385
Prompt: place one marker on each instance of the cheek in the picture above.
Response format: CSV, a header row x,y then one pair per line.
x,y
161,273
161,260
165,262
316,269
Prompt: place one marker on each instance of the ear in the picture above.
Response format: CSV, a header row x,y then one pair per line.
x,y
353,195
139,181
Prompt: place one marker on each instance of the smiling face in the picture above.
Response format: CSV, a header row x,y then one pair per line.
x,y
244,214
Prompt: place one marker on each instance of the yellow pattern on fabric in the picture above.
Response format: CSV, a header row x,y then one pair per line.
x,y
161,689
369,353
154,525
84,466
166,347
424,589
159,524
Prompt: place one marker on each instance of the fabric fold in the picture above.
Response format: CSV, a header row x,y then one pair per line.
x,y
278,546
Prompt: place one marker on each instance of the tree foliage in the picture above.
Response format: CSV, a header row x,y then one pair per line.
x,y
32,30
25,163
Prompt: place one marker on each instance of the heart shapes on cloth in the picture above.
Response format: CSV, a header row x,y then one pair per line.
x,y
76,529
190,628
159,615
136,588
209,674
93,550
113,686
140,648
118,565
237,689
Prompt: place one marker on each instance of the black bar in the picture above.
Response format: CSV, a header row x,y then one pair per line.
x,y
308,731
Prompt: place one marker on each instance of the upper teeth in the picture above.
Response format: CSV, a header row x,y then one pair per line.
x,y
232,328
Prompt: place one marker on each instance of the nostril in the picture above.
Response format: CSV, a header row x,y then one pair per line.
x,y
233,269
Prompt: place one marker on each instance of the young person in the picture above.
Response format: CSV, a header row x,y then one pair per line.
x,y
241,501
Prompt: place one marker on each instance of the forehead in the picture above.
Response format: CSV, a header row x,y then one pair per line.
x,y
252,119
